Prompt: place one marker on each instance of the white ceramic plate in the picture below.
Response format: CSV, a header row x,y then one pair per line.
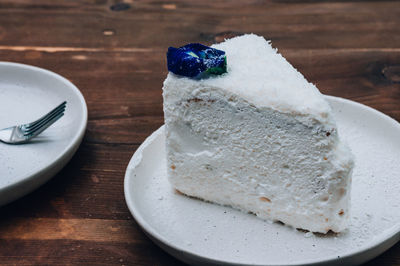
x,y
203,233
27,93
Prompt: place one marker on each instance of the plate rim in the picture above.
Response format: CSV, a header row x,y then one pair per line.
x,y
389,237
64,156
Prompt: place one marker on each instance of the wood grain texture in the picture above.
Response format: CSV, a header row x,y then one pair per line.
x,y
296,25
72,252
349,49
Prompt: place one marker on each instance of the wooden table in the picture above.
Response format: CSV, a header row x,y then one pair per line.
x,y
115,53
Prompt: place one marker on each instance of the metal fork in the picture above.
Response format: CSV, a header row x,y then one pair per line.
x,y
23,133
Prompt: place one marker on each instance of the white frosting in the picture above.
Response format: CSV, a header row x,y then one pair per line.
x,y
262,76
278,157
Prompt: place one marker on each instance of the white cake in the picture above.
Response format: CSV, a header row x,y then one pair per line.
x,y
259,138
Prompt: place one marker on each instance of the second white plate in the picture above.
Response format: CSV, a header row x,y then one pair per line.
x,y
203,233
27,93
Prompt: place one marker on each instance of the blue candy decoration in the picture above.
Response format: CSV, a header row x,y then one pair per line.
x,y
195,60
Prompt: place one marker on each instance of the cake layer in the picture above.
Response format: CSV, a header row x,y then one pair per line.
x,y
222,149
263,77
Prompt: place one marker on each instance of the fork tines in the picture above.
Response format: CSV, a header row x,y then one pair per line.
x,y
44,122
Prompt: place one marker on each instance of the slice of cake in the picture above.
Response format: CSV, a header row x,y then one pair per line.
x,y
259,138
